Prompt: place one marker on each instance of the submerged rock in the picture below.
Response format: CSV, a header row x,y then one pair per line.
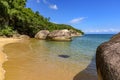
x,y
42,34
64,56
60,35
108,59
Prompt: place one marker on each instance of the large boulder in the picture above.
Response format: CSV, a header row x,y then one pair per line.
x,y
60,35
42,34
108,59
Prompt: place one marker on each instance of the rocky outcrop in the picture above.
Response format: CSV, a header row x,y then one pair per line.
x,y
57,35
60,35
42,34
74,33
108,59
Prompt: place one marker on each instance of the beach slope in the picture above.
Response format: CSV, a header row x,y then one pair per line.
x,y
3,57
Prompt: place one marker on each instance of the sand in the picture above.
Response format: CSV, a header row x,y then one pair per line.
x,y
3,57
43,71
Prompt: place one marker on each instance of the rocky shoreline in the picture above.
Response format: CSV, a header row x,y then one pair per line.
x,y
57,35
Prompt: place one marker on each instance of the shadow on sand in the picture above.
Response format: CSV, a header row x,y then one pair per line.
x,y
89,73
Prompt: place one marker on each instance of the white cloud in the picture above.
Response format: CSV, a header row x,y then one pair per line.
x,y
50,5
77,20
103,30
38,1
53,7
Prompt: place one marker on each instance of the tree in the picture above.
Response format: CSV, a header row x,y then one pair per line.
x,y
15,15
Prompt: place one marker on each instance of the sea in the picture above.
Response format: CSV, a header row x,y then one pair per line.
x,y
53,60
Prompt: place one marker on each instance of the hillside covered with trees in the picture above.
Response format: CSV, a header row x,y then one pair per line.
x,y
16,18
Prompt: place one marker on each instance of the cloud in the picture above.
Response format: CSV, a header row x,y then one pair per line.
x,y
103,30
38,1
53,7
77,20
50,5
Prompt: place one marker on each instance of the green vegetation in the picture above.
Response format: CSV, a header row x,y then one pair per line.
x,y
8,31
14,16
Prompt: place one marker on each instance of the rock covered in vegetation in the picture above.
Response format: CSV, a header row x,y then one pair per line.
x,y
60,35
42,34
108,59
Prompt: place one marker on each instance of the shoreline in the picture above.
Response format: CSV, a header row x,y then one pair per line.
x,y
3,56
57,71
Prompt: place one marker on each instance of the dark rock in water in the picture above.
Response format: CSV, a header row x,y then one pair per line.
x,y
108,59
64,56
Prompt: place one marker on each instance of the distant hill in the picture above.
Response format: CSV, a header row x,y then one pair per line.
x,y
16,18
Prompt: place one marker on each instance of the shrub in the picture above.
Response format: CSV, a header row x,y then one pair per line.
x,y
8,31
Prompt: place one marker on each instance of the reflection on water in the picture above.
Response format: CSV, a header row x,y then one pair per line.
x,y
88,73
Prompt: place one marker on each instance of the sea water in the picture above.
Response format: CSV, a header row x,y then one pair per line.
x,y
53,60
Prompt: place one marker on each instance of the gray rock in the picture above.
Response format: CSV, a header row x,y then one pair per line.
x,y
42,34
74,33
108,59
60,35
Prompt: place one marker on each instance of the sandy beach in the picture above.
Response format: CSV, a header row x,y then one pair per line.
x,y
3,57
32,61
25,64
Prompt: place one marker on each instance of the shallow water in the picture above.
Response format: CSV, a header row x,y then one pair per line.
x,y
41,60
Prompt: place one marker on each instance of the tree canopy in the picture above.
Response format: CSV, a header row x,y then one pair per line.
x,y
16,17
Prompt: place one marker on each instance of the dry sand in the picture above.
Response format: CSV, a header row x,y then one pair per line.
x,y
3,57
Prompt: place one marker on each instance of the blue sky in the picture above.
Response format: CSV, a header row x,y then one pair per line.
x,y
91,16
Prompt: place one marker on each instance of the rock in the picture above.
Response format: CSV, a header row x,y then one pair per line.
x,y
116,37
16,36
60,35
64,56
108,59
42,34
25,37
74,33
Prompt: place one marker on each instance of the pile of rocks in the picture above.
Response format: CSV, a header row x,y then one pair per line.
x,y
56,35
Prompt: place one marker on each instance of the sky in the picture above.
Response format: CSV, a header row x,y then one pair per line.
x,y
90,16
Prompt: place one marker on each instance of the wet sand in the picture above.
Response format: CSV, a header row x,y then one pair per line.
x,y
3,57
24,64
